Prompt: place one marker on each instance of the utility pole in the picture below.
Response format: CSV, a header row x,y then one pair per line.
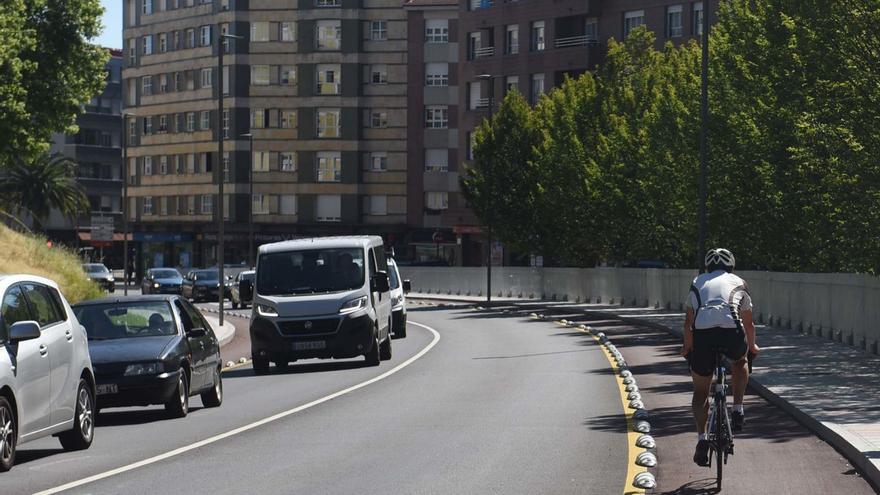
x,y
491,80
125,213
250,138
704,133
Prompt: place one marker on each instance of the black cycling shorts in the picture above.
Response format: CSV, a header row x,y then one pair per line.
x,y
731,341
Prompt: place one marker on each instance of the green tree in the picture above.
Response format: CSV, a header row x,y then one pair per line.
x,y
48,69
39,186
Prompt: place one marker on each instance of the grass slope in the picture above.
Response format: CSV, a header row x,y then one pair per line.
x,y
20,253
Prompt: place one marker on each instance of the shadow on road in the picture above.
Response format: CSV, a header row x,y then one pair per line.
x,y
23,456
698,487
530,355
296,369
135,416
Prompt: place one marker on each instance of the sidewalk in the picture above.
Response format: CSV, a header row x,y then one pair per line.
x,y
830,387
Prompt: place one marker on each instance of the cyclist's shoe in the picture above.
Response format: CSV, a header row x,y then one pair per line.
x,y
737,420
701,455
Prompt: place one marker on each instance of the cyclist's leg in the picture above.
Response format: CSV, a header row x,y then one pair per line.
x,y
702,363
737,351
700,401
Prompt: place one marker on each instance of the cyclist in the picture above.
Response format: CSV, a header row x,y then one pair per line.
x,y
719,316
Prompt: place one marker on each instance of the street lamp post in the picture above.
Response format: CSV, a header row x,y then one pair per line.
x,y
704,134
125,213
250,138
221,216
491,103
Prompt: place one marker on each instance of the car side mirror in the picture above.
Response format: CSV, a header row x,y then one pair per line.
x,y
380,282
24,330
407,286
197,333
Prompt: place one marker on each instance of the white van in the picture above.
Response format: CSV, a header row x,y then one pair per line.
x,y
326,297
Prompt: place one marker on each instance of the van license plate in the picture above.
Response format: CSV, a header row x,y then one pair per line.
x,y
107,388
308,346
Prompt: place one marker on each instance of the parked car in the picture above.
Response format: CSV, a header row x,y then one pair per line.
x,y
242,290
161,281
203,285
101,275
40,337
399,290
152,350
321,298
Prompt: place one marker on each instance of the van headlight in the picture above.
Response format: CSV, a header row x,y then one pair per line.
x,y
143,369
266,310
353,305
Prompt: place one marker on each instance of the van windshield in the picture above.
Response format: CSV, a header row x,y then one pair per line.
x,y
310,271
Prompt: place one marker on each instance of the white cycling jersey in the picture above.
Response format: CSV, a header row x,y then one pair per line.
x,y
718,298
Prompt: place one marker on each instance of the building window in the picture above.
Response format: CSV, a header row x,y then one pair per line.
x,y
163,43
511,40
258,118
146,85
260,204
207,204
475,99
537,87
207,167
474,41
470,140
207,77
378,119
436,160
537,36
205,121
288,75
697,21
191,163
329,166
511,83
379,30
191,38
148,205
437,31
163,83
591,30
132,52
147,45
328,3
287,161
175,44
329,34
259,32
163,124
288,119
288,31
378,74
378,161
437,200
378,205
260,161
148,125
328,80
329,208
132,131
437,117
328,123
287,204
436,74
148,165
225,162
260,75
177,82
146,7
674,26
163,205
225,123
190,122
163,165
205,35
632,20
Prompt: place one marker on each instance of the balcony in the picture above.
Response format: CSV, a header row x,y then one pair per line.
x,y
484,52
570,41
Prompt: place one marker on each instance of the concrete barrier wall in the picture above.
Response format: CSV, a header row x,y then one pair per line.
x,y
839,306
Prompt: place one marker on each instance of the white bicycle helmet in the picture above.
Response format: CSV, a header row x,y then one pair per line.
x,y
720,257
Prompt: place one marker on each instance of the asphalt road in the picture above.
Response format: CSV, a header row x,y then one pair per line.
x,y
497,405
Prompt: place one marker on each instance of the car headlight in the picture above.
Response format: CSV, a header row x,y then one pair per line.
x,y
155,286
142,369
266,310
353,305
111,279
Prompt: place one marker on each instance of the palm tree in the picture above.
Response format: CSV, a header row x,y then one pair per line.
x,y
39,186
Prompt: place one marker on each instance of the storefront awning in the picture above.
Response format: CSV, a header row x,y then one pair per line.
x,y
117,237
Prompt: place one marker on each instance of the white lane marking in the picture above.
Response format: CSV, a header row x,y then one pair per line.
x,y
251,426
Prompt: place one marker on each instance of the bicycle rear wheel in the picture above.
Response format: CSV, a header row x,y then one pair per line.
x,y
722,440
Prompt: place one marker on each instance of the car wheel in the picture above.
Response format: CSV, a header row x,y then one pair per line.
x,y
8,435
80,436
385,349
373,358
214,397
400,333
178,405
261,366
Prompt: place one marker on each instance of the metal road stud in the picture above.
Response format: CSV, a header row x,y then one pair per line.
x,y
632,387
242,360
636,404
229,364
629,380
642,426
642,414
601,336
646,442
634,396
625,374
563,321
645,480
646,459
583,327
533,315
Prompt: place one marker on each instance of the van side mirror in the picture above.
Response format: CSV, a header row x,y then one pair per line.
x,y
407,286
24,330
380,282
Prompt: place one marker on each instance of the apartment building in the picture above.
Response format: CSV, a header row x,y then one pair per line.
x,y
314,123
96,149
532,45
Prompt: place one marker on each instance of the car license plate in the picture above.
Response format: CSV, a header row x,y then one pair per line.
x,y
308,346
107,388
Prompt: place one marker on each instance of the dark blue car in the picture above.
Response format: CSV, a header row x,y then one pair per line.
x,y
161,281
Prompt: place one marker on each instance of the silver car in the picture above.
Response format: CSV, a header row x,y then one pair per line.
x,y
47,386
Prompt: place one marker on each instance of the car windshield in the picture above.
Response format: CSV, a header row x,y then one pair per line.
x,y
121,320
248,276
166,273
392,274
207,275
310,271
95,268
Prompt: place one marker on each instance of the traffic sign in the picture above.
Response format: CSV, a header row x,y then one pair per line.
x,y
102,228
